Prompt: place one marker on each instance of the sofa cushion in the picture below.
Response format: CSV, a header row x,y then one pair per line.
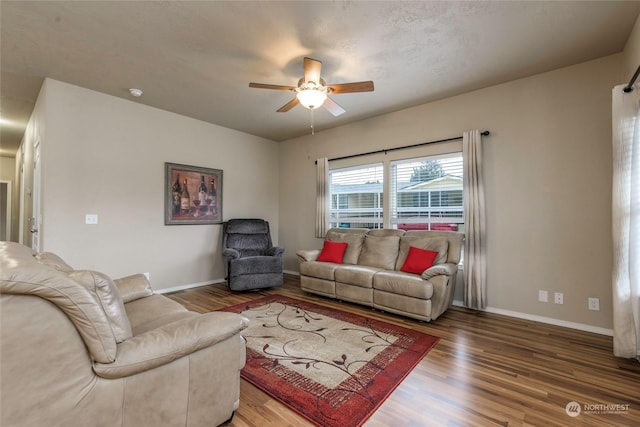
x,y
418,260
149,313
380,252
332,252
133,287
454,242
384,232
354,241
109,298
320,270
436,244
400,283
53,260
356,275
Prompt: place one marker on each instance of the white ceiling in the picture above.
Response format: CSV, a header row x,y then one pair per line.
x,y
197,58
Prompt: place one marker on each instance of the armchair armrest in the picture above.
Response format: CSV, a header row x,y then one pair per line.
x,y
133,287
274,251
440,269
310,255
230,254
170,342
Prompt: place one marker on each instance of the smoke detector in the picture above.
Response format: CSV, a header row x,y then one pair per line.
x,y
135,92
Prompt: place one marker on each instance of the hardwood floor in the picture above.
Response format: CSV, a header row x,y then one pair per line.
x,y
487,370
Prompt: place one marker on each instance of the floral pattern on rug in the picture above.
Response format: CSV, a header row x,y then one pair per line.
x,y
333,367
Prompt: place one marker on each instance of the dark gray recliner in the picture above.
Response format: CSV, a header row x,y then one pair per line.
x,y
252,260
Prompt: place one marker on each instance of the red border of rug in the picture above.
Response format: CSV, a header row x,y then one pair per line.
x,y
354,411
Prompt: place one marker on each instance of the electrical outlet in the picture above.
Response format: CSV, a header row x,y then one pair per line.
x,y
594,304
558,298
91,219
543,296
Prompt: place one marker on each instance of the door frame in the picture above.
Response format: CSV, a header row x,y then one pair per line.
x,y
9,210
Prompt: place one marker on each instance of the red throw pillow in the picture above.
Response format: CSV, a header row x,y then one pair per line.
x,y
332,251
418,260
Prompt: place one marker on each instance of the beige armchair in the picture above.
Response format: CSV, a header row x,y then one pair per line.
x,y
80,349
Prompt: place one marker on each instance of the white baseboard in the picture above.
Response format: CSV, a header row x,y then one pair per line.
x,y
457,303
543,319
197,285
188,286
294,273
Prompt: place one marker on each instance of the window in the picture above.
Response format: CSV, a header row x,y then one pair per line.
x,y
426,193
356,196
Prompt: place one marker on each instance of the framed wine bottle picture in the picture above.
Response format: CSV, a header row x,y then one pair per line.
x,y
192,195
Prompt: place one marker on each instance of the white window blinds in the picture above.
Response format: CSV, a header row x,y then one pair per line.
x,y
426,193
356,196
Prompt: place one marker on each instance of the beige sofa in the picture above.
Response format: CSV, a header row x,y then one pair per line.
x,y
370,273
79,349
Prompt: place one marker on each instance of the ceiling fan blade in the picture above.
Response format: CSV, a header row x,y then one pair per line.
x,y
289,105
312,70
265,86
332,107
352,87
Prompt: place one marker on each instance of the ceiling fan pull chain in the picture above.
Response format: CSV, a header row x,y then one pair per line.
x,y
312,129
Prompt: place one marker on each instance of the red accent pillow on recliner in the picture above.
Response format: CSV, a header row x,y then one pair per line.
x,y
332,251
418,260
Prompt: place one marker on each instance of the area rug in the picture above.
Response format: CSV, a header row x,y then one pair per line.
x,y
332,367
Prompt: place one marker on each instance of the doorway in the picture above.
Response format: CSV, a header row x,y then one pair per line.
x,y
5,210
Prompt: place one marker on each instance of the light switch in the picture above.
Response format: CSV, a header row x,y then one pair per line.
x,y
91,219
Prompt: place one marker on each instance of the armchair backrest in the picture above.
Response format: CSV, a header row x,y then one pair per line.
x,y
22,275
250,237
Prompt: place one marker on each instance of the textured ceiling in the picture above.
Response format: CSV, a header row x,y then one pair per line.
x,y
197,58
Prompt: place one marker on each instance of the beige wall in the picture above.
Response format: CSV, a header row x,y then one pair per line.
x,y
631,54
547,175
105,155
7,173
7,168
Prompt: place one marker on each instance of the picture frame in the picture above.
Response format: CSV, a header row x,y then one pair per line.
x,y
201,203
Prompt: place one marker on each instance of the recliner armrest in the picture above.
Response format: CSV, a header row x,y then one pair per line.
x,y
440,269
310,255
133,287
171,342
231,253
274,251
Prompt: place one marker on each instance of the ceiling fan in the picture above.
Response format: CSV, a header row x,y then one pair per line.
x,y
312,91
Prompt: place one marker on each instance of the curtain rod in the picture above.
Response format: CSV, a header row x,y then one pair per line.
x,y
628,88
484,133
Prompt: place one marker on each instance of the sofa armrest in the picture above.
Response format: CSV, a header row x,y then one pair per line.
x,y
440,269
311,255
133,287
171,342
274,251
231,254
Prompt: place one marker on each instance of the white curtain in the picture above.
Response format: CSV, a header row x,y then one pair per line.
x,y
626,222
322,192
475,269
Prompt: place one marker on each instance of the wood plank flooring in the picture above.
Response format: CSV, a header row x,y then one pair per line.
x,y
487,370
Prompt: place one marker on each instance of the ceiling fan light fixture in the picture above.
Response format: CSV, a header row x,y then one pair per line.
x,y
311,98
312,91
